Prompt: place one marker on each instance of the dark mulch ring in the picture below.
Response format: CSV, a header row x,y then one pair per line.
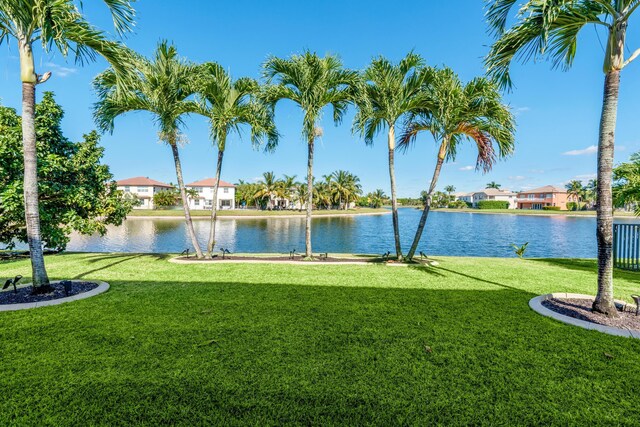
x,y
581,309
24,294
286,258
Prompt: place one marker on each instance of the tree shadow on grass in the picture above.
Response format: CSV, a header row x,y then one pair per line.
x,y
120,260
585,265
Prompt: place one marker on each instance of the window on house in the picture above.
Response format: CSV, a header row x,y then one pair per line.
x,y
549,196
225,203
196,202
143,189
207,202
226,190
127,188
199,189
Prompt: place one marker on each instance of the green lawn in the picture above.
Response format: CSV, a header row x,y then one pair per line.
x,y
533,212
314,344
254,212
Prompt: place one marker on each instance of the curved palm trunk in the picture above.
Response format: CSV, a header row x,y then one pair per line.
x,y
427,206
214,207
394,201
307,231
30,158
185,201
604,299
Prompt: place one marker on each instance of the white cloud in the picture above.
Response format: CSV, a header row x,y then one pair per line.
x,y
517,178
60,71
589,150
519,110
466,168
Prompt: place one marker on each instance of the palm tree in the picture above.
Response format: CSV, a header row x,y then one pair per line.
x,y
162,86
287,188
346,187
575,190
376,198
549,29
392,91
56,25
268,188
312,83
591,191
460,112
494,185
450,189
230,105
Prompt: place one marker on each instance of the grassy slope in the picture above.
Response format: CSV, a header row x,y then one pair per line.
x,y
314,344
253,212
533,212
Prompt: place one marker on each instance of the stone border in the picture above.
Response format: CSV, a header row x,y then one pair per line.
x,y
178,260
102,287
536,305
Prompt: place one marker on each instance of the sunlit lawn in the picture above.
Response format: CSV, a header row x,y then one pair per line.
x,y
328,344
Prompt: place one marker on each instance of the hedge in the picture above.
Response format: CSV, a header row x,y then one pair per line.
x,y
551,208
493,204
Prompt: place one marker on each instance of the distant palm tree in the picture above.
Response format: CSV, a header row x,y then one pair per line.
x,y
56,25
231,105
460,112
312,83
163,86
392,91
377,198
549,29
450,189
268,188
287,188
494,185
575,190
591,191
347,187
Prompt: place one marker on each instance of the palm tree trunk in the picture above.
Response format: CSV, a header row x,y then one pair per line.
x,y
40,279
394,201
214,207
604,302
185,201
307,231
427,206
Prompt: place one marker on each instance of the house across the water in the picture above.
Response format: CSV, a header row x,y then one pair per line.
x,y
204,200
540,197
143,188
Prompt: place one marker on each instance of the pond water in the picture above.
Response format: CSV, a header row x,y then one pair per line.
x,y
446,233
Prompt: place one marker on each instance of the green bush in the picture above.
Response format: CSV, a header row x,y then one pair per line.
x,y
458,204
572,206
493,204
551,208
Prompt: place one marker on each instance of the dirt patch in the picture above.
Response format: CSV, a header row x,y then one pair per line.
x,y
581,309
24,294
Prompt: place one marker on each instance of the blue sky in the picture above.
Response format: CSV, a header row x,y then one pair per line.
x,y
557,112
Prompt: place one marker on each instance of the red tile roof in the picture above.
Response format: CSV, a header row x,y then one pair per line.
x,y
545,189
209,182
142,181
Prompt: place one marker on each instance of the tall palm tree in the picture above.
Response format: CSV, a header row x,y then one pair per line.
x,y
493,185
231,105
163,86
268,188
287,188
575,190
548,29
391,92
312,83
460,112
57,25
450,189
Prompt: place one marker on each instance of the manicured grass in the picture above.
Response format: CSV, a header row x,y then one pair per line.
x,y
532,212
314,344
255,212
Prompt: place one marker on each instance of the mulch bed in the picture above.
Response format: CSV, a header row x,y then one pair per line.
x,y
581,309
286,258
24,293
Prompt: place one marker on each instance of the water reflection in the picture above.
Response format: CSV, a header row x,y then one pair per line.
x,y
459,234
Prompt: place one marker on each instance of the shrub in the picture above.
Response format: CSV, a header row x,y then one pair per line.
x,y
572,206
458,204
493,204
551,208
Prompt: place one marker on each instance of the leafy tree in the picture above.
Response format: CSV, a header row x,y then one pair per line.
x,y
170,197
626,188
163,86
493,185
376,199
575,190
57,25
450,189
231,105
460,112
391,92
548,29
312,83
76,191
